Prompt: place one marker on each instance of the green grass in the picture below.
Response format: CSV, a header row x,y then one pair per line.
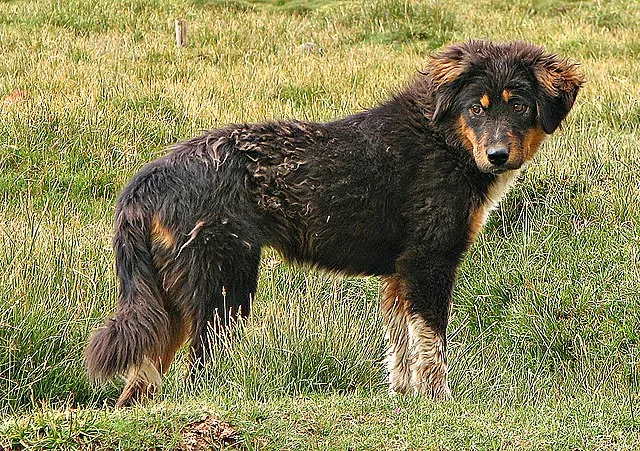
x,y
544,336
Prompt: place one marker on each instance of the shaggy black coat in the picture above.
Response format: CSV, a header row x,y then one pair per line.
x,y
398,191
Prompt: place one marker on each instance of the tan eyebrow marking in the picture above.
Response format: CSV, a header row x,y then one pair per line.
x,y
484,101
506,95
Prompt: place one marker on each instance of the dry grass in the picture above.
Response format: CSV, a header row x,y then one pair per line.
x,y
544,336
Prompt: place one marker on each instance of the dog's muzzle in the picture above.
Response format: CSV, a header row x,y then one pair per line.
x,y
498,155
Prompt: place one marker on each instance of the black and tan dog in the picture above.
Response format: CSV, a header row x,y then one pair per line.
x,y
398,191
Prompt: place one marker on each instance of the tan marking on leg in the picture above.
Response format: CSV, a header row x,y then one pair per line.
x,y
160,234
142,383
506,95
179,332
429,362
395,313
484,101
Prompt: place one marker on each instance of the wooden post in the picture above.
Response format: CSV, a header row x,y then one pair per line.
x,y
181,32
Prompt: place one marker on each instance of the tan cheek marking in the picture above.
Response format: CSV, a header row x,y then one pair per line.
x,y
469,138
506,95
160,234
517,152
480,151
532,140
477,148
484,101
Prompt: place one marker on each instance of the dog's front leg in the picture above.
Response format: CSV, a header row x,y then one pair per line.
x,y
428,346
416,305
396,315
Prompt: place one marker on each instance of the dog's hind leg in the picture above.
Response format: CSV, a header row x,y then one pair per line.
x,y
223,292
145,380
132,341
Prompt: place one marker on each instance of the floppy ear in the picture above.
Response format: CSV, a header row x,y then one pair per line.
x,y
559,84
446,69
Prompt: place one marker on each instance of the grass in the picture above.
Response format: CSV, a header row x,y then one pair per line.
x,y
544,338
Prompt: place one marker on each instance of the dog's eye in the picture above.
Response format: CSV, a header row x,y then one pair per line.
x,y
477,110
519,107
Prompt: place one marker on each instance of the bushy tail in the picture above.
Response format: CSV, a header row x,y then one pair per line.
x,y
140,327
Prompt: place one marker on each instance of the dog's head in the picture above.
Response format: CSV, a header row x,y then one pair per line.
x,y
501,99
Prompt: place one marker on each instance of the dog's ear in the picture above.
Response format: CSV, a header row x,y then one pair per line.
x,y
559,83
446,70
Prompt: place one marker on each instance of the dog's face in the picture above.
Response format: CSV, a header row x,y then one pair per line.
x,y
501,100
499,124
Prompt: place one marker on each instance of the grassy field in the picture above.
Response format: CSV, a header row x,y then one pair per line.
x,y
545,332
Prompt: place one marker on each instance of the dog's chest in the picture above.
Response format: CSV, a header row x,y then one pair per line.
x,y
494,194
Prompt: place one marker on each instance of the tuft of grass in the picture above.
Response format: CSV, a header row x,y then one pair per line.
x,y
55,281
310,341
398,22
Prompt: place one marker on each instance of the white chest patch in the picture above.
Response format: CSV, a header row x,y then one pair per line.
x,y
500,186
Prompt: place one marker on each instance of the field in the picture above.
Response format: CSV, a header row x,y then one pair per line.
x,y
545,332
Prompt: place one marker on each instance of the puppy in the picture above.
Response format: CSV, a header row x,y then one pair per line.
x,y
398,191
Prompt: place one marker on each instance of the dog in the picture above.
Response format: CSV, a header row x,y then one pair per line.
x,y
398,191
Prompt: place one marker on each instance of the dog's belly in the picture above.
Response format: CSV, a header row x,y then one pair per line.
x,y
362,260
353,246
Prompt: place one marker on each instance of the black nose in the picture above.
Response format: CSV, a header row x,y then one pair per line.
x,y
498,155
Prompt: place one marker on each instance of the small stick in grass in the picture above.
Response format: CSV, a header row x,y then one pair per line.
x,y
181,32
